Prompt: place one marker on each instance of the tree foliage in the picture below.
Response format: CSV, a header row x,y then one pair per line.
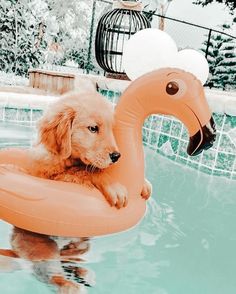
x,y
50,32
231,4
221,56
18,36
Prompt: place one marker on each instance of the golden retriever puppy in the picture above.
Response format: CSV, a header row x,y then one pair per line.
x,y
76,143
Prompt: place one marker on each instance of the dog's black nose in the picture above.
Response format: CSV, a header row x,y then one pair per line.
x,y
114,156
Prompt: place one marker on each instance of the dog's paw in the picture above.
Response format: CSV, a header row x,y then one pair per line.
x,y
116,194
147,189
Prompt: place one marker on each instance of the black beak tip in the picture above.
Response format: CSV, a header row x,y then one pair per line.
x,y
203,139
199,150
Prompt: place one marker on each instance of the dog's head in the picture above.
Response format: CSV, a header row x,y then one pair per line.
x,y
80,126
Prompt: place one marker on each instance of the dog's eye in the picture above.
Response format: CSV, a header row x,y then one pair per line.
x,y
93,129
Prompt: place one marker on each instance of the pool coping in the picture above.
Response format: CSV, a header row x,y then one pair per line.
x,y
221,102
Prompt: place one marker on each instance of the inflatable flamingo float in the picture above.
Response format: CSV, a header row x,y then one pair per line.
x,y
67,209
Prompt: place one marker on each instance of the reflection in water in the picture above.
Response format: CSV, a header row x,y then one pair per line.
x,y
54,261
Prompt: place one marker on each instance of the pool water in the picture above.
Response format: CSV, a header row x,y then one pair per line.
x,y
185,243
15,135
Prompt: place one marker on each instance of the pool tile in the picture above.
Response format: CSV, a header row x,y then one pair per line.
x,y
147,122
183,149
218,119
176,128
174,144
10,114
24,115
221,173
37,114
196,158
145,135
193,164
208,157
165,127
154,138
185,135
1,112
156,122
225,161
230,123
162,140
205,170
226,144
181,160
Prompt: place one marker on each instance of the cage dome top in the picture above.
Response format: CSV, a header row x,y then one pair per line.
x,y
114,28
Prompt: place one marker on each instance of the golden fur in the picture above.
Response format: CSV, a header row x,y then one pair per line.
x,y
68,151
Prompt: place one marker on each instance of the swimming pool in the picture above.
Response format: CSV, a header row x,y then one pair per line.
x,y
164,134
185,244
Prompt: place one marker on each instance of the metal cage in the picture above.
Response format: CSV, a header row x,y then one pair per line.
x,y
113,30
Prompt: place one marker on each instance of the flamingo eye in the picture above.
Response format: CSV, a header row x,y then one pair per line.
x,y
172,88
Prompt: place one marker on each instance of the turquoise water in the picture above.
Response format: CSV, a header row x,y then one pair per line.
x,y
15,135
185,244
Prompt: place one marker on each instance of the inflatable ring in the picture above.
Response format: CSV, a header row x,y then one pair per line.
x,y
67,209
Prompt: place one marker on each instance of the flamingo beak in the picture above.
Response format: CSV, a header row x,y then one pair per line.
x,y
203,139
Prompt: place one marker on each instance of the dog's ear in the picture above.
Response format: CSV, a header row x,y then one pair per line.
x,y
55,132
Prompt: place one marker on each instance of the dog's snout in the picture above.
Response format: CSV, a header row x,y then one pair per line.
x,y
114,156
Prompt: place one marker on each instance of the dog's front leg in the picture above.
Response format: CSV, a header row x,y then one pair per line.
x,y
115,193
147,189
